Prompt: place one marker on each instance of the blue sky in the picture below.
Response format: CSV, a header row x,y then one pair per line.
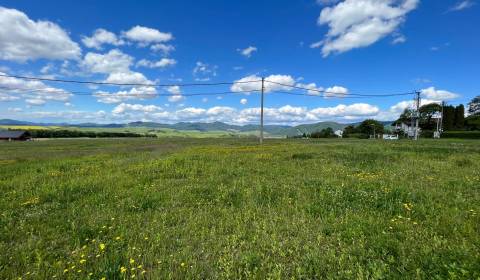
x,y
346,47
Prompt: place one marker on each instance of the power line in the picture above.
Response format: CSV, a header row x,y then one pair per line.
x,y
84,93
125,84
336,93
342,96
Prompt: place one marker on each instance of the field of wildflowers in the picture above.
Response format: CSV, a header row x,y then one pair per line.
x,y
231,209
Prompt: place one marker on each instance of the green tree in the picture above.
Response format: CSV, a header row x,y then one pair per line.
x,y
448,117
324,133
459,116
348,130
474,106
427,112
370,126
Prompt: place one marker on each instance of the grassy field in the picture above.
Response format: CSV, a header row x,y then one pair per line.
x,y
160,132
230,209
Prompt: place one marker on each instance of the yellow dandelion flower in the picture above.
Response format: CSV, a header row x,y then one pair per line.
x,y
182,264
140,266
83,261
65,270
122,269
146,238
143,271
90,274
104,278
133,269
133,276
79,270
132,261
117,238
102,246
73,267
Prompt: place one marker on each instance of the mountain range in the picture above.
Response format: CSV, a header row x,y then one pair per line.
x,y
277,130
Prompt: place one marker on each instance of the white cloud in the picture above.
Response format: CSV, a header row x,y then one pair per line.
x,y
176,94
146,35
462,5
35,101
336,91
115,61
247,52
253,83
23,39
124,107
204,72
243,101
360,23
438,95
162,63
312,88
120,96
163,48
32,91
100,37
399,39
128,78
7,97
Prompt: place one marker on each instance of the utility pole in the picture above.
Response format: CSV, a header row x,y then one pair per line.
x,y
261,111
417,113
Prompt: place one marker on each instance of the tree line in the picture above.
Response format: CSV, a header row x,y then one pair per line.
x,y
53,133
453,116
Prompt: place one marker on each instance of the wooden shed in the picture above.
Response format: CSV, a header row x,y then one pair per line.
x,y
14,135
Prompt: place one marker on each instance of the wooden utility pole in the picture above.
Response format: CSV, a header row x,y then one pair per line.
x,y
261,111
417,114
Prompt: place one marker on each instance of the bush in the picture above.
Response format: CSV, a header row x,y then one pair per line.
x,y
461,134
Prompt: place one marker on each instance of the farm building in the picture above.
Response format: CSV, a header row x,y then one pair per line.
x,y
14,135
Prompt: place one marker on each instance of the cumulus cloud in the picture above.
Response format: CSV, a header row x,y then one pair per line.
x,y
163,48
120,96
124,107
176,94
162,63
287,114
23,39
360,23
146,35
115,61
34,92
253,83
438,95
204,72
247,52
100,37
243,101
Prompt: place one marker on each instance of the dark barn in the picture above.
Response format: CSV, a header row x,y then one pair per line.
x,y
14,135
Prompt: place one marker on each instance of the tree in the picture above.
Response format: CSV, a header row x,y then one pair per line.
x,y
324,133
370,126
405,117
474,106
448,117
459,116
427,112
472,122
348,130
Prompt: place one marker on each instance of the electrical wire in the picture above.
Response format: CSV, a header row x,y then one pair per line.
x,y
125,84
84,93
336,93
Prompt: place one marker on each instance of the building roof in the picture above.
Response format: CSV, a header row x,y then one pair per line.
x,y
12,133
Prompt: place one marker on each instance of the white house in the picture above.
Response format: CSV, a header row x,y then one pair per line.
x,y
339,133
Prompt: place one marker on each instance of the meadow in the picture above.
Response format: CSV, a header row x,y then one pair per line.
x,y
231,209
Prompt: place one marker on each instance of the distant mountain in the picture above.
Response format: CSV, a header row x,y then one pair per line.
x,y
277,130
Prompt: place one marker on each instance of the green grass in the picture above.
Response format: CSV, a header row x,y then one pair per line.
x,y
230,209
160,132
